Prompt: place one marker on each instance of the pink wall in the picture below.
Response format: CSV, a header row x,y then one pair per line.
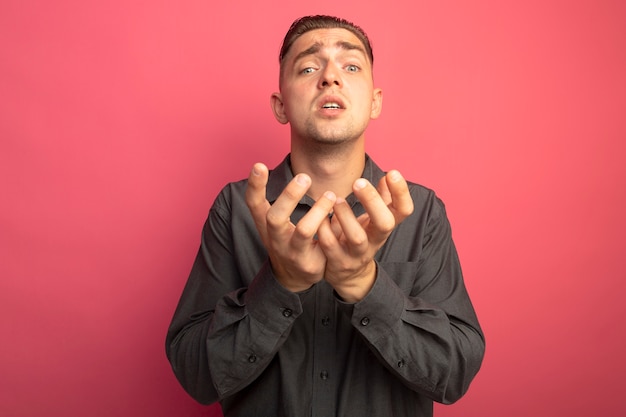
x,y
121,120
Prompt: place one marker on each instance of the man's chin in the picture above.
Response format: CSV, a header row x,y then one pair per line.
x,y
333,137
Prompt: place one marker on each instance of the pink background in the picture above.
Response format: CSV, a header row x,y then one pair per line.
x,y
121,120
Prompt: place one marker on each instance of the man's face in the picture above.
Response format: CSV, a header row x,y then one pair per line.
x,y
326,92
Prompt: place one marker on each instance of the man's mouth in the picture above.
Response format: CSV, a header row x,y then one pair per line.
x,y
331,105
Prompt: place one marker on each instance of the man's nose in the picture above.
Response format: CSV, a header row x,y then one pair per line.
x,y
330,76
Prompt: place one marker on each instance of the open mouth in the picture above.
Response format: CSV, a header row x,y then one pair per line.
x,y
331,102
331,105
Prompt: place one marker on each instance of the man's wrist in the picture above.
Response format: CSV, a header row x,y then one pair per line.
x,y
288,282
355,289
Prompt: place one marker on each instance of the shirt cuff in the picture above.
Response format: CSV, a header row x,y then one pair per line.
x,y
381,309
270,303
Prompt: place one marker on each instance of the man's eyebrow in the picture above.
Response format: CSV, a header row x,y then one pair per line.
x,y
311,50
317,46
349,46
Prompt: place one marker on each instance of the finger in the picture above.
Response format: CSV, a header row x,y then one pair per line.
x,y
401,202
278,215
382,221
335,226
383,190
257,181
326,235
308,226
352,231
255,197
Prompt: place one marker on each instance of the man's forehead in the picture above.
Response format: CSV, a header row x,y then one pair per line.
x,y
326,38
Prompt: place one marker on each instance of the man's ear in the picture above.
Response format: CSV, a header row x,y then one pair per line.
x,y
278,107
377,103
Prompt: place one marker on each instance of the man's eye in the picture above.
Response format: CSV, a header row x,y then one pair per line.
x,y
352,68
308,70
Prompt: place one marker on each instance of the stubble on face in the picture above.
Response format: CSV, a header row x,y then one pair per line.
x,y
332,133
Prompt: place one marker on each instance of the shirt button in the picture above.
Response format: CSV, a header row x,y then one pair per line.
x,y
287,312
252,358
325,321
401,363
365,321
324,375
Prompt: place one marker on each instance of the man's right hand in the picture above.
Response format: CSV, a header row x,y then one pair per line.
x,y
296,258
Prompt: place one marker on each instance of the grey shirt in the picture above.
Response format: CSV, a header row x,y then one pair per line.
x,y
240,338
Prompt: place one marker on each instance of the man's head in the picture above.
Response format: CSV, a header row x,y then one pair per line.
x,y
327,91
308,23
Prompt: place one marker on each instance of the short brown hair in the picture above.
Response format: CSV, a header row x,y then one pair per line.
x,y
308,23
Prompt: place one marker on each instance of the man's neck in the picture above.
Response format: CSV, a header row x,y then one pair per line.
x,y
334,170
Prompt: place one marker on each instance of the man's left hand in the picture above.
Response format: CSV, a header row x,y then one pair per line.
x,y
350,243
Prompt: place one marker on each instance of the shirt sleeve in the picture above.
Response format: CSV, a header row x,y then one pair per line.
x,y
217,344
418,318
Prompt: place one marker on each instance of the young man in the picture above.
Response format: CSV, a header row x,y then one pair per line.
x,y
326,287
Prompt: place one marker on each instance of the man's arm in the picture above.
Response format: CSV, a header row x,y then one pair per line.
x,y
417,318
233,315
227,328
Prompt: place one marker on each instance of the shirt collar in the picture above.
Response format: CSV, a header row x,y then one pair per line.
x,y
281,175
